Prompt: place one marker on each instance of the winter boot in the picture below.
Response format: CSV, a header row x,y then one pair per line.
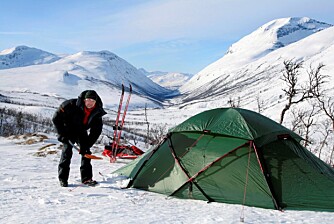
x,y
63,183
90,183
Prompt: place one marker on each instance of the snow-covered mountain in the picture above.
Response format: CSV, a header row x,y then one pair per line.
x,y
266,39
235,77
68,76
250,74
21,56
169,80
108,67
261,76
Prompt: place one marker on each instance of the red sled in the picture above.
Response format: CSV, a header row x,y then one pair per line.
x,y
123,152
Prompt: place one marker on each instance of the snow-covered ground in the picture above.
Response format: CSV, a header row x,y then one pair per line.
x,y
30,193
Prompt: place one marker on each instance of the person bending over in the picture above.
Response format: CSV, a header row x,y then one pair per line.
x,y
79,121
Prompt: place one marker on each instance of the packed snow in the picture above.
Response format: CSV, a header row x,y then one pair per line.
x,y
30,193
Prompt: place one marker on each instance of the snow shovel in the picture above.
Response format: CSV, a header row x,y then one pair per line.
x,y
88,156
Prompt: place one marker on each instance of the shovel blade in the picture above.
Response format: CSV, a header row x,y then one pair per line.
x,y
88,156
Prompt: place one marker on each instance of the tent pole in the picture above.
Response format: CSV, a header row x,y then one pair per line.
x,y
192,179
192,146
242,215
185,171
148,157
266,177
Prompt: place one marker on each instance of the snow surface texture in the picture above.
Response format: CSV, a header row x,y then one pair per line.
x,y
30,193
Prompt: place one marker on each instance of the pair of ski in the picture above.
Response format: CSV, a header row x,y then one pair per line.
x,y
119,127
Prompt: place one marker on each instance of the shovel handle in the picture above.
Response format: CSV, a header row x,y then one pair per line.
x,y
88,156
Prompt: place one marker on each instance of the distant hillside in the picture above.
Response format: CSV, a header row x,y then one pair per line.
x,y
251,77
248,76
68,76
169,80
266,39
21,56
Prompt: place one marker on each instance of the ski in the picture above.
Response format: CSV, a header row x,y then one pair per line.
x,y
114,149
116,122
122,121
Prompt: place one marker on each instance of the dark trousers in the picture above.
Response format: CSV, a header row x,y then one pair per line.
x,y
86,169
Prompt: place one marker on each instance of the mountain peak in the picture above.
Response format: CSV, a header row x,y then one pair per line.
x,y
289,30
264,40
277,33
21,56
14,49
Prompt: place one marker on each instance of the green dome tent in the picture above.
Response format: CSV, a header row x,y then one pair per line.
x,y
236,156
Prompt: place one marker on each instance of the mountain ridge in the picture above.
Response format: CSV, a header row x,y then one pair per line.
x,y
169,80
69,75
256,45
22,56
252,83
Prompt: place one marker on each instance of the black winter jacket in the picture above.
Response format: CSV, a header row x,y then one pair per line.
x,y
68,120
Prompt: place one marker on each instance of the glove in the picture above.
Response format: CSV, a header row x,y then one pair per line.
x,y
62,139
84,152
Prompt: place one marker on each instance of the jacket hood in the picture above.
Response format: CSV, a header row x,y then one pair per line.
x,y
81,98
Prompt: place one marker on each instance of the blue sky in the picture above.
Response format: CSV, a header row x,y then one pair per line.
x,y
166,35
